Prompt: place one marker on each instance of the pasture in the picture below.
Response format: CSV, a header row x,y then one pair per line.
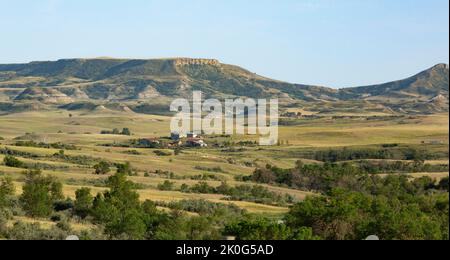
x,y
83,130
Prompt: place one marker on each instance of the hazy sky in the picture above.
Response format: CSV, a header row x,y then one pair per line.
x,y
337,43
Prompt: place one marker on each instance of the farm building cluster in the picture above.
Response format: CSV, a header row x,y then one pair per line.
x,y
176,140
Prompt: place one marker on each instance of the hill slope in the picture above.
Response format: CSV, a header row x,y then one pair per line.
x,y
427,84
160,80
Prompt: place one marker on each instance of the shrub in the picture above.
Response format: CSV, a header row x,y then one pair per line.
x,y
102,168
126,131
166,186
12,161
203,188
116,131
124,168
264,229
132,152
63,205
213,169
443,184
27,231
162,153
205,207
64,225
45,145
185,188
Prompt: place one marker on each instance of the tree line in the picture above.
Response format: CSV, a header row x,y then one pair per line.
x,y
249,193
392,208
385,152
322,177
118,213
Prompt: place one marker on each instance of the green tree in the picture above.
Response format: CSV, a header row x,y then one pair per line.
x,y
116,131
124,169
40,193
444,184
263,229
305,234
83,202
7,189
346,215
119,209
201,228
126,131
102,168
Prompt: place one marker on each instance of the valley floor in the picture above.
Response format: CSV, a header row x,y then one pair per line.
x,y
304,136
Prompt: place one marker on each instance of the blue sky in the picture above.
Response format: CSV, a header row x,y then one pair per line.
x,y
337,43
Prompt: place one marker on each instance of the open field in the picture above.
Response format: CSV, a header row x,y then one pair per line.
x,y
83,131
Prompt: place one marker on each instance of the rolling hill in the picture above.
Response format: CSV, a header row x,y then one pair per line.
x,y
144,85
427,84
